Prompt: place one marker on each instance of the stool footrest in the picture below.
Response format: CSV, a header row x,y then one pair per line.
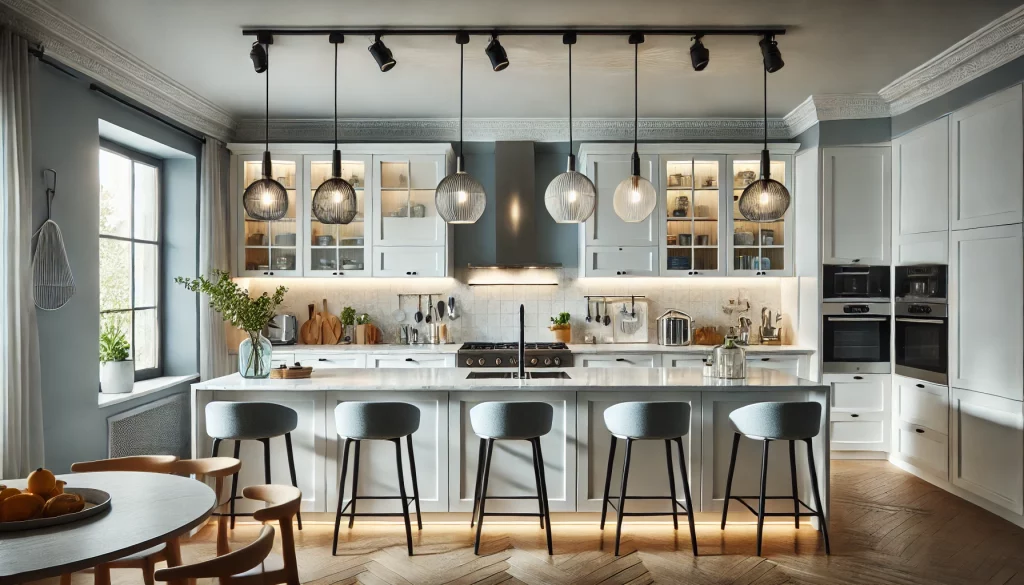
x,y
517,514
613,502
742,500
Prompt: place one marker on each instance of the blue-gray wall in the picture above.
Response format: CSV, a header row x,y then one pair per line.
x,y
65,137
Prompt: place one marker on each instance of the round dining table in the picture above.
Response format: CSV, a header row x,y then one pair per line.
x,y
146,509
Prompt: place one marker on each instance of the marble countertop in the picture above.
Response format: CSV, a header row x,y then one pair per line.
x,y
455,379
580,348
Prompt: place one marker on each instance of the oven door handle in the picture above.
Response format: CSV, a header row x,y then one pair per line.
x,y
877,319
923,321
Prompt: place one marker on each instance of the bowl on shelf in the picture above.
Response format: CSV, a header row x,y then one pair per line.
x,y
743,238
325,240
284,240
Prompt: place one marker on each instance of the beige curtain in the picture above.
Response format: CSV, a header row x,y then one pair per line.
x,y
214,222
21,407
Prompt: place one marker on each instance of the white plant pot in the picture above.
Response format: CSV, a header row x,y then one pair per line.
x,y
117,377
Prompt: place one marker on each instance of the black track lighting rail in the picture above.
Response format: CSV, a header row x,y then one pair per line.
x,y
257,31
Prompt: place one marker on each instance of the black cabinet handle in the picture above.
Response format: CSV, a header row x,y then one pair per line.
x,y
765,359
856,259
919,431
265,273
322,360
919,385
858,377
271,274
854,415
334,273
409,360
622,360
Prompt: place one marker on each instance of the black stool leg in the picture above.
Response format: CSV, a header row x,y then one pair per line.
x,y
234,486
355,486
479,479
544,489
266,460
483,495
764,482
622,495
608,481
536,481
415,484
341,494
291,471
817,495
401,492
672,483
216,446
728,481
792,475
686,494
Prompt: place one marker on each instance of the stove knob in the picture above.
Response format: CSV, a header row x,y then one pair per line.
x,y
547,361
469,361
558,361
480,361
533,361
513,361
497,361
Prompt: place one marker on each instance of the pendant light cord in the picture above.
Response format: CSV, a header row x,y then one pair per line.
x,y
636,92
766,108
266,126
570,99
335,96
462,68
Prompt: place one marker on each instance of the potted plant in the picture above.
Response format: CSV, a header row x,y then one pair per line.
x,y
245,312
363,330
560,326
117,372
348,321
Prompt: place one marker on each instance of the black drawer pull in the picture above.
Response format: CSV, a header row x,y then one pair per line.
x,y
322,359
854,416
858,377
919,385
919,431
622,360
765,359
409,360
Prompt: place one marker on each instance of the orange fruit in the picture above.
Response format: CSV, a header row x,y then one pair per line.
x,y
63,504
21,507
7,492
41,481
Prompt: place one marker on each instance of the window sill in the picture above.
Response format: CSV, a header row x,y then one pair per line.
x,y
145,388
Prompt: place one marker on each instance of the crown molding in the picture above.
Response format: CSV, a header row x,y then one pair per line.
x,y
995,44
488,129
822,108
93,55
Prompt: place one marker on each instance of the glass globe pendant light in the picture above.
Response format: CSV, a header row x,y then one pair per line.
x,y
460,198
266,199
335,200
764,200
571,196
635,198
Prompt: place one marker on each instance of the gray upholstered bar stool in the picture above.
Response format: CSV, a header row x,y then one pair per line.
x,y
777,421
510,421
252,421
648,421
377,421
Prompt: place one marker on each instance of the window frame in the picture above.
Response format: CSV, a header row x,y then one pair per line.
x,y
135,156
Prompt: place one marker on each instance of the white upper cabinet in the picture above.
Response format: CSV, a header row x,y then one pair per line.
x,y
403,194
920,163
605,228
986,152
857,184
758,249
692,226
338,250
986,317
270,248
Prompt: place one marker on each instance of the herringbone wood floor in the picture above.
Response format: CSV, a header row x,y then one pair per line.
x,y
887,527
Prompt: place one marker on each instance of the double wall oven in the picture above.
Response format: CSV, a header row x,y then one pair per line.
x,y
856,320
922,323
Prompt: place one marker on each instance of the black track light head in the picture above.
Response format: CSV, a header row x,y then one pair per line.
x,y
382,55
636,38
771,54
569,39
258,54
699,55
496,53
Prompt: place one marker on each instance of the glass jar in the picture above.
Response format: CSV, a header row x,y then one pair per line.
x,y
254,355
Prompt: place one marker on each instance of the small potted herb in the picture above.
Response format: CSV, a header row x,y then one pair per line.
x,y
561,327
348,321
117,372
364,334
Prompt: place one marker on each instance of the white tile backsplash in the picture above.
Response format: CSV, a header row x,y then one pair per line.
x,y
490,313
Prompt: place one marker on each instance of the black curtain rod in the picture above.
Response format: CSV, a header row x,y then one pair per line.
x,y
39,53
124,102
516,31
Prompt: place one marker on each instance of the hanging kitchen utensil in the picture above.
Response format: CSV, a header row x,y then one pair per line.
x,y
418,317
330,327
589,318
607,315
629,316
451,309
440,310
630,331
597,312
52,280
430,309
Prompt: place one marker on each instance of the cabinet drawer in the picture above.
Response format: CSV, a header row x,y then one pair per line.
x,y
987,447
409,261
858,392
331,361
922,403
613,261
416,360
853,431
788,364
619,361
924,448
691,360
930,248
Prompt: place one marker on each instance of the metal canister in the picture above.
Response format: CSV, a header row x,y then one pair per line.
x,y
674,328
728,360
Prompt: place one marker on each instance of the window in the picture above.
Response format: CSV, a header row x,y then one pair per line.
x,y
130,252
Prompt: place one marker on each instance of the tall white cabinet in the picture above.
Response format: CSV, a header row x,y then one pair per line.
x,y
920,185
856,188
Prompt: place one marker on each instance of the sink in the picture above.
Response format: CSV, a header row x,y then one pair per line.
x,y
515,375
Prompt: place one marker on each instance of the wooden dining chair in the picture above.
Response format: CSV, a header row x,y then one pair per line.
x,y
145,560
282,504
218,468
223,567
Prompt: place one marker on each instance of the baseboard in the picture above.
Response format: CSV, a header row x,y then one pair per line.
x,y
877,455
946,485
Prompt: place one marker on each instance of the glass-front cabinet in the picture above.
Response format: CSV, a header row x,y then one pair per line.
x,y
404,197
758,249
694,229
339,250
270,248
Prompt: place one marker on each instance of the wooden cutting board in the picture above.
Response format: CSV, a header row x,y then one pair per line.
x,y
309,333
330,327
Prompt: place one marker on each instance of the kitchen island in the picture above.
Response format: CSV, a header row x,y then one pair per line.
x,y
575,451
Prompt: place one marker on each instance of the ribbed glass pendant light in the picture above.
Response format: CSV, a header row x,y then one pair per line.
x,y
635,198
460,198
571,196
266,199
764,200
335,200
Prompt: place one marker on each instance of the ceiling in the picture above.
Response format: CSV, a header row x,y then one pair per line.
x,y
832,47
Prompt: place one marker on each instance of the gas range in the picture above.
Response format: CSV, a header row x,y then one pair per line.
x,y
505,355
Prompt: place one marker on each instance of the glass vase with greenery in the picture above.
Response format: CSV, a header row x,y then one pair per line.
x,y
250,314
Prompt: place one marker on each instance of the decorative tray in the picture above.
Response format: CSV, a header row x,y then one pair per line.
x,y
96,502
